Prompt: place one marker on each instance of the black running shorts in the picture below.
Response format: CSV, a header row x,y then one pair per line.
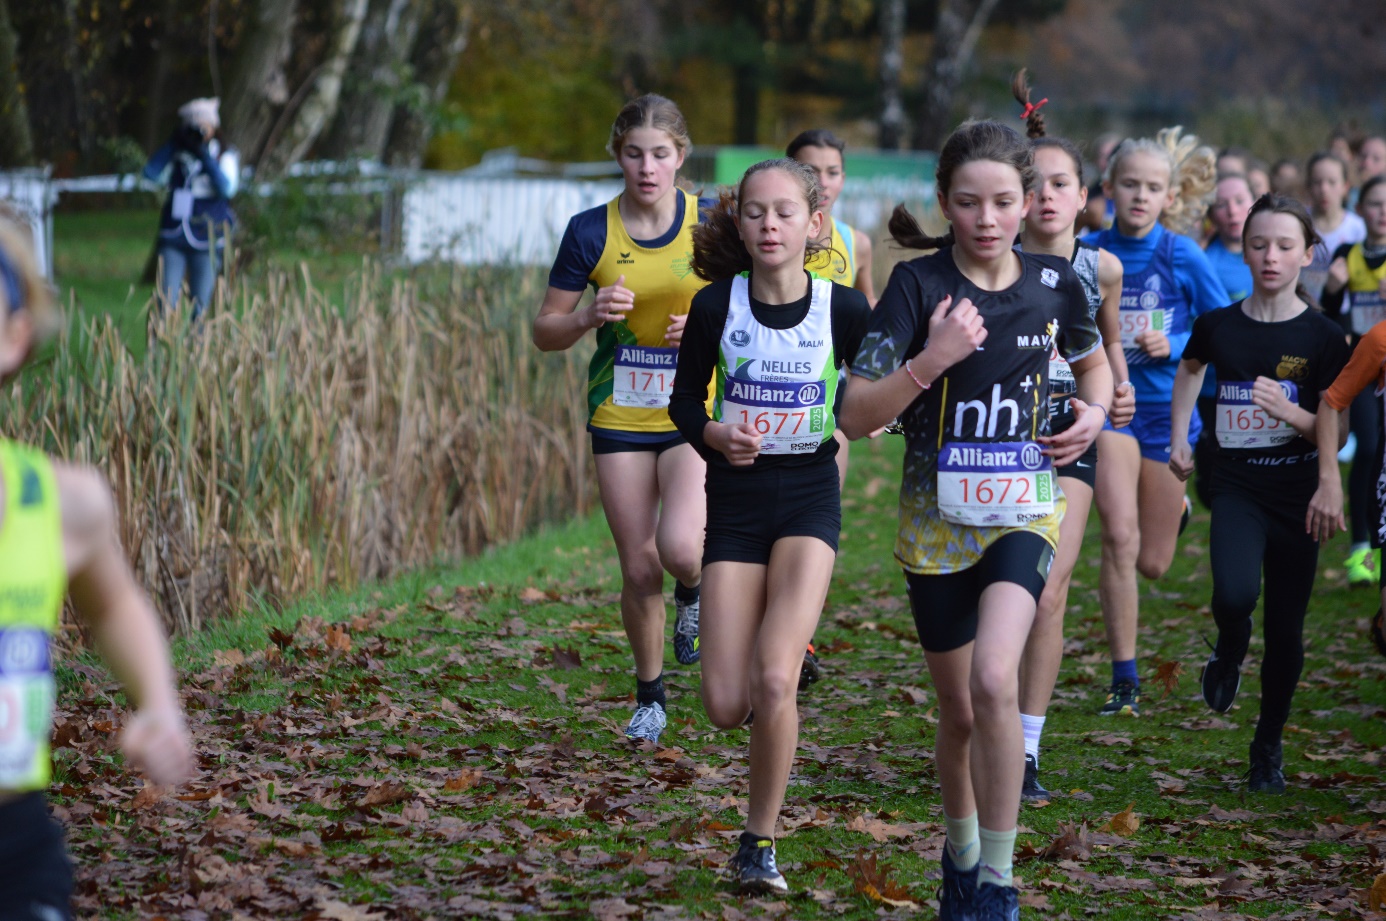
x,y
748,510
35,874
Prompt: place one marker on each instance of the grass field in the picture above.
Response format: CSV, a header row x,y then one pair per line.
x,y
448,744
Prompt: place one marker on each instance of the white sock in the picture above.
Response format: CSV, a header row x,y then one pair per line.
x,y
962,841
1034,728
998,848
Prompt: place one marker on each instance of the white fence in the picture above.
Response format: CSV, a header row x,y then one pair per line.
x,y
477,220
29,194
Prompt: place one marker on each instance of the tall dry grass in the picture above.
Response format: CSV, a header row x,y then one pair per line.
x,y
292,442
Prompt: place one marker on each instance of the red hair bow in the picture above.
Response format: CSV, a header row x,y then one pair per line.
x,y
1031,108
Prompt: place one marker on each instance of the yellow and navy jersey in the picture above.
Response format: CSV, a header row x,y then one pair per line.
x,y
838,263
33,583
997,396
596,251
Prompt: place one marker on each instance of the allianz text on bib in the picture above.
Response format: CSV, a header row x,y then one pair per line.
x,y
994,484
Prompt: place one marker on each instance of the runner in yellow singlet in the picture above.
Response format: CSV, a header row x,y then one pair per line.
x,y
634,253
58,539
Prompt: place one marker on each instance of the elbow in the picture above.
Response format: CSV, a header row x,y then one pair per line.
x,y
852,425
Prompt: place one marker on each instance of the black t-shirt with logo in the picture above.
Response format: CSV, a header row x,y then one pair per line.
x,y
997,394
1305,353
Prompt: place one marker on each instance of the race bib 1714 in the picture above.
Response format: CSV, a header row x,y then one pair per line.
x,y
644,376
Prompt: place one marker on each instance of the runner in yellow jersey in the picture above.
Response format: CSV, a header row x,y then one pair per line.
x,y
58,539
845,258
634,253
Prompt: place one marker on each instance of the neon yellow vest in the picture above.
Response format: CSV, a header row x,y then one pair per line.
x,y
838,264
664,284
1364,287
33,582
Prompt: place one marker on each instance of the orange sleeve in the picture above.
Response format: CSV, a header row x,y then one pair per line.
x,y
1363,368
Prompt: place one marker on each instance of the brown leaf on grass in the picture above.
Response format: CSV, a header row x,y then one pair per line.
x,y
414,812
532,595
336,639
462,781
877,829
341,911
1071,844
228,657
149,796
566,658
1376,896
870,879
385,793
1124,823
1167,677
613,909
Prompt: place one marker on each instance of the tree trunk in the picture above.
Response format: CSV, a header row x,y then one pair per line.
x,y
442,36
959,26
77,64
257,87
155,126
375,83
16,142
892,25
320,106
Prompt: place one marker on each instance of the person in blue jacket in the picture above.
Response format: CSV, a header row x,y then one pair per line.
x,y
1161,187
202,175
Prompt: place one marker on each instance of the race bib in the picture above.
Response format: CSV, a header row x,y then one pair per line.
x,y
1241,424
1061,384
644,376
791,417
26,705
1141,316
181,209
1000,484
1368,309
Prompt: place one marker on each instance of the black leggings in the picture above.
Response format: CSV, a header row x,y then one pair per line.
x,y
1364,420
1250,534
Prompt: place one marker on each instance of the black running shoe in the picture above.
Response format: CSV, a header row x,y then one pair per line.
x,y
1124,698
958,892
754,866
1185,515
1265,774
997,903
810,671
1222,676
1031,791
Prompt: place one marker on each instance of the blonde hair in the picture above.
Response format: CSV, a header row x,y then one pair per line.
x,y
650,111
35,295
1192,174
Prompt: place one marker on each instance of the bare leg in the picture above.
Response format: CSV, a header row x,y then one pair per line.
x,y
683,513
1161,505
630,498
1118,478
998,745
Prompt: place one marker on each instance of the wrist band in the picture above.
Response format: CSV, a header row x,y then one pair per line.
x,y
911,373
1103,408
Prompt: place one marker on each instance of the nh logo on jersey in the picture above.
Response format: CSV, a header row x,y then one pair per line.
x,y
987,416
740,338
625,259
1049,278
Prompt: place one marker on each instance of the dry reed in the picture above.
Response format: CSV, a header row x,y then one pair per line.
x,y
291,442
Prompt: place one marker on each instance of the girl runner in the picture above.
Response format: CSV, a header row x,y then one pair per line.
x,y
1160,187
1232,198
774,336
1354,290
634,252
58,539
844,257
1274,354
979,517
1328,188
1049,228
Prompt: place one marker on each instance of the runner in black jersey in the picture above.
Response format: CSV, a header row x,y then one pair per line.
x,y
1049,228
1273,354
959,349
772,338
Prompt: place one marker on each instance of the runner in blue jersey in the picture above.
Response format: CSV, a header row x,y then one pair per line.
x,y
1160,186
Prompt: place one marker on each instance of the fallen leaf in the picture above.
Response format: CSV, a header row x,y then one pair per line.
x,y
337,639
878,829
1124,823
1376,898
231,657
462,781
871,880
1071,844
341,911
1167,676
566,658
385,793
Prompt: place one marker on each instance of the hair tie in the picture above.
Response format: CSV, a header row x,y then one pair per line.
x,y
1031,108
14,294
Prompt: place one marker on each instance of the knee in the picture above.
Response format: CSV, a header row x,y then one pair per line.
x,y
955,717
642,573
1121,540
1234,603
682,558
1152,565
995,689
1049,613
725,710
772,688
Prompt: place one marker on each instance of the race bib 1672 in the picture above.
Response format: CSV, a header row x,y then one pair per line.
x,y
1000,484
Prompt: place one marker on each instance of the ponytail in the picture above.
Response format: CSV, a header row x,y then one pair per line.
x,y
904,227
1020,89
718,250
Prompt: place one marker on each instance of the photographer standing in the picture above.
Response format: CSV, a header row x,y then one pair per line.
x,y
201,175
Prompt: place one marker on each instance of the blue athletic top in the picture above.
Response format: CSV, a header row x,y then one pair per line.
x,y
1173,267
585,238
201,182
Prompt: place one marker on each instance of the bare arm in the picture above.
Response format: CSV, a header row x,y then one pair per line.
x,y
1324,517
1091,404
127,630
954,333
1188,380
863,281
560,324
1109,276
